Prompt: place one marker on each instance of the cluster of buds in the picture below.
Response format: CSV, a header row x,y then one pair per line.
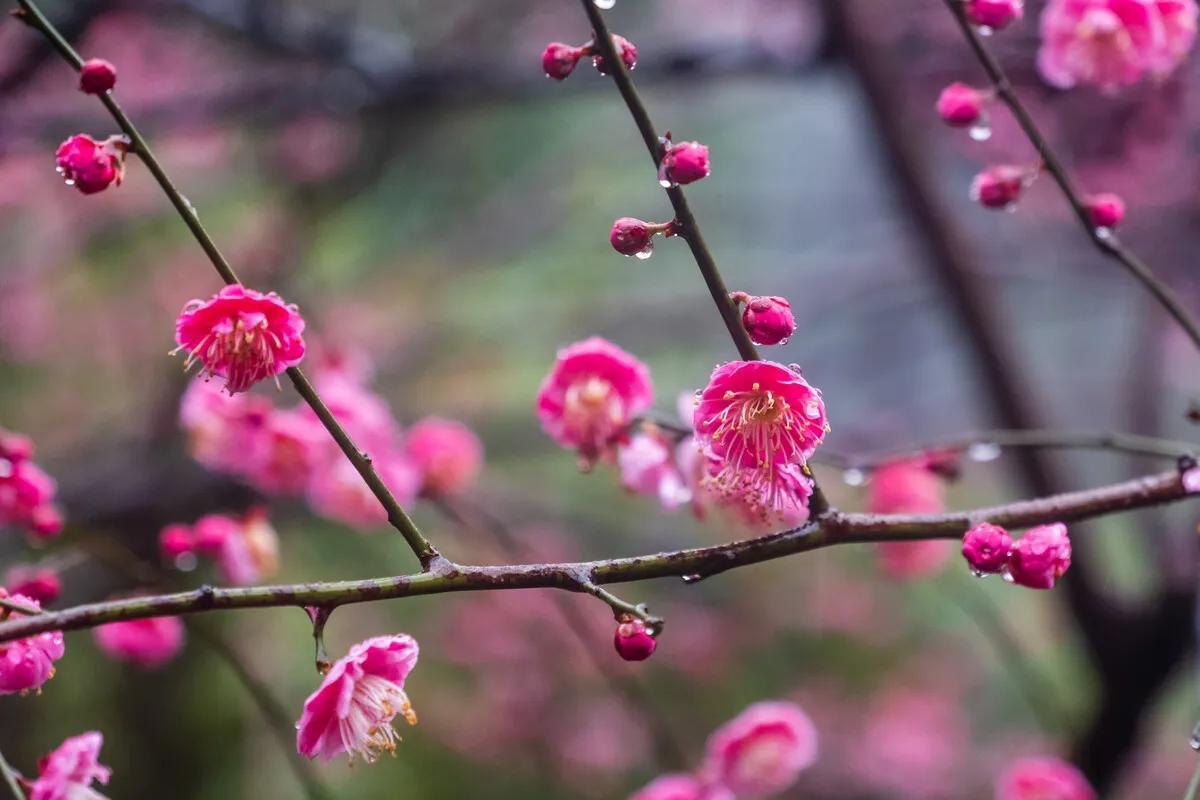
x,y
559,60
1036,561
26,491
768,320
90,165
245,549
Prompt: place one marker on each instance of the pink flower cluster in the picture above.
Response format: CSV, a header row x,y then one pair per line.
x,y
559,60
26,664
1114,43
149,643
759,753
246,549
289,452
1037,560
352,710
26,491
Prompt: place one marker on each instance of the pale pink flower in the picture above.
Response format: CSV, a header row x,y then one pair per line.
x,y
647,465
150,643
1113,43
222,428
905,486
241,335
40,583
680,786
89,165
284,450
762,751
26,664
338,492
97,76
986,547
912,745
251,552
352,710
780,500
68,772
758,416
916,559
590,396
447,453
365,415
1043,778
1040,557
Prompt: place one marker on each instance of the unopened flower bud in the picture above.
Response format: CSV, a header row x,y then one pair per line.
x,y
45,522
1041,557
91,166
559,60
15,447
999,186
994,14
97,76
175,540
625,49
632,640
960,105
1106,210
634,237
986,547
684,162
768,320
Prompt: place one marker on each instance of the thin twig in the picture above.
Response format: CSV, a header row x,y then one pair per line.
x,y
1105,241
833,529
685,221
1132,444
425,552
1193,787
11,779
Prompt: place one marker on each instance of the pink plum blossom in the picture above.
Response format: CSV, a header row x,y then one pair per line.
x,y
27,497
680,786
908,486
219,425
40,583
995,14
1043,778
768,320
960,105
1113,43
68,772
352,710
241,335
1040,557
590,396
26,664
338,492
251,551
89,165
683,163
447,453
149,643
284,451
647,465
762,751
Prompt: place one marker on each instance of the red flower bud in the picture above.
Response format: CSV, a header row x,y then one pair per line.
x,y
559,60
632,641
90,166
768,320
97,76
960,105
987,547
625,49
995,14
1106,210
999,186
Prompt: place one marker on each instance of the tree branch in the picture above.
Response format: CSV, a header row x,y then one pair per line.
x,y
425,552
833,529
1105,241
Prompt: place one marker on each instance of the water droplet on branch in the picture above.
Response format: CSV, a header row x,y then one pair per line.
x,y
983,451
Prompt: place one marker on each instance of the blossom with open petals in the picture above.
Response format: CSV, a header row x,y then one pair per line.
x,y
68,772
26,664
762,751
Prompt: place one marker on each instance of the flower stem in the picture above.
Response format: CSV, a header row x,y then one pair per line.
x,y
11,779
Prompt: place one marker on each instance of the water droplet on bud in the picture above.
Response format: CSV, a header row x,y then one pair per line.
x,y
854,477
666,183
1194,741
978,573
984,30
1105,233
981,131
983,451
642,255
604,5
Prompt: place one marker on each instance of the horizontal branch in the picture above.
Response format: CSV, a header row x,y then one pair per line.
x,y
832,529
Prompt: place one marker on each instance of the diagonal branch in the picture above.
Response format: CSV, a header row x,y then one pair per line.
x,y
1105,241
685,221
832,529
425,552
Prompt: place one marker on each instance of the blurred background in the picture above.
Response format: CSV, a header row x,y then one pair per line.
x,y
405,173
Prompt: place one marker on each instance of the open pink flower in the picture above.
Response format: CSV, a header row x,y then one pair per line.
x,y
26,664
763,750
149,643
27,498
448,454
353,708
338,492
251,552
68,772
241,335
89,165
221,427
590,396
284,450
647,465
40,583
1044,778
753,418
1112,43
